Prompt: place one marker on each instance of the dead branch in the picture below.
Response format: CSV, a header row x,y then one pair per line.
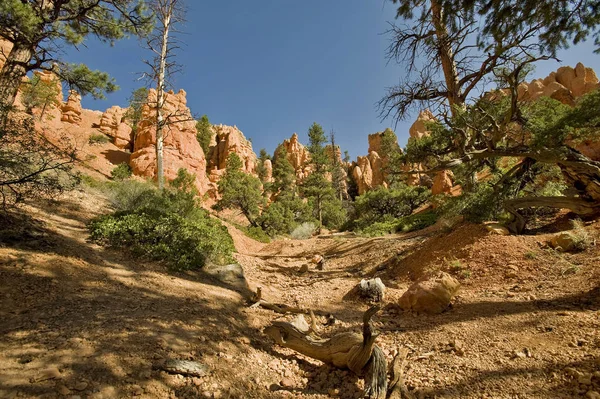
x,y
347,350
398,389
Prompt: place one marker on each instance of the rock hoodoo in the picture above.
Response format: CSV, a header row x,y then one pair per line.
x,y
298,156
71,110
112,123
564,85
181,148
230,139
368,173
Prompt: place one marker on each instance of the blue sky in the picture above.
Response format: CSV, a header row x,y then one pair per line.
x,y
273,67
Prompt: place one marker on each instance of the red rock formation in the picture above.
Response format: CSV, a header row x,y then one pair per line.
x,y
181,148
367,172
5,47
419,129
71,110
298,156
268,165
442,182
113,124
230,139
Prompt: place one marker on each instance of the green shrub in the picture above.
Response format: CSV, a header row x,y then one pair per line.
x,y
98,139
167,226
257,234
380,228
121,172
382,205
284,215
416,222
304,231
476,206
127,196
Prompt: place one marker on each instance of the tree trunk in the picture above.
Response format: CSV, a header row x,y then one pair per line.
x,y
447,57
13,71
347,350
160,99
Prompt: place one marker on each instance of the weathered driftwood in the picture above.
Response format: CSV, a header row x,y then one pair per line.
x,y
398,389
349,350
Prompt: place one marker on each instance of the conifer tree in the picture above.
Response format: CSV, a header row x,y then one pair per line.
x,y
240,191
38,93
37,30
316,187
205,133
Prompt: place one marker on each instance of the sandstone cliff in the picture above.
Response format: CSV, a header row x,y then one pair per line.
x,y
181,148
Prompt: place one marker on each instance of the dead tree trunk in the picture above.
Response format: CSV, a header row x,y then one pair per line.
x,y
348,350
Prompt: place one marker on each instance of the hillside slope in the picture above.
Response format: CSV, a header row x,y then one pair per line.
x,y
77,319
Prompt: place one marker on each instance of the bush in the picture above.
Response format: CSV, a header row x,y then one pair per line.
x,y
304,231
121,172
31,166
167,226
416,222
284,215
98,139
399,225
382,205
476,206
126,196
257,234
380,228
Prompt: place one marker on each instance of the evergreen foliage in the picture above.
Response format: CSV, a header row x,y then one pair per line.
x,y
165,225
121,172
239,190
41,94
562,23
316,187
204,133
138,98
31,166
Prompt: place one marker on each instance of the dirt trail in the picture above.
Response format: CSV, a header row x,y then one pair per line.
x,y
78,320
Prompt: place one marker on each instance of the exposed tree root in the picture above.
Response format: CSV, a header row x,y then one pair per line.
x,y
348,350
578,205
398,389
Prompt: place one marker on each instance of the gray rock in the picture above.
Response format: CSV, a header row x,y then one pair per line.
x,y
232,275
185,367
372,289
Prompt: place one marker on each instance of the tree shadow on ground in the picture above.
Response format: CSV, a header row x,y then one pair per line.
x,y
104,319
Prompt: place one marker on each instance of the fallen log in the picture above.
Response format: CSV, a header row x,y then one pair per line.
x,y
348,350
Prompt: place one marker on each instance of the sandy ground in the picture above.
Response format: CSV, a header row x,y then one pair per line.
x,y
81,321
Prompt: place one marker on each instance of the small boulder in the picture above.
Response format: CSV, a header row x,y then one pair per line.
x,y
497,228
232,275
319,261
373,289
564,242
430,296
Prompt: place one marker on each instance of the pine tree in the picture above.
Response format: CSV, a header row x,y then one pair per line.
x,y
240,191
284,179
37,30
205,133
316,187
38,93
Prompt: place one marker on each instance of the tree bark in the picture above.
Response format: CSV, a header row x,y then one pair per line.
x,y
346,350
160,99
447,57
13,71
